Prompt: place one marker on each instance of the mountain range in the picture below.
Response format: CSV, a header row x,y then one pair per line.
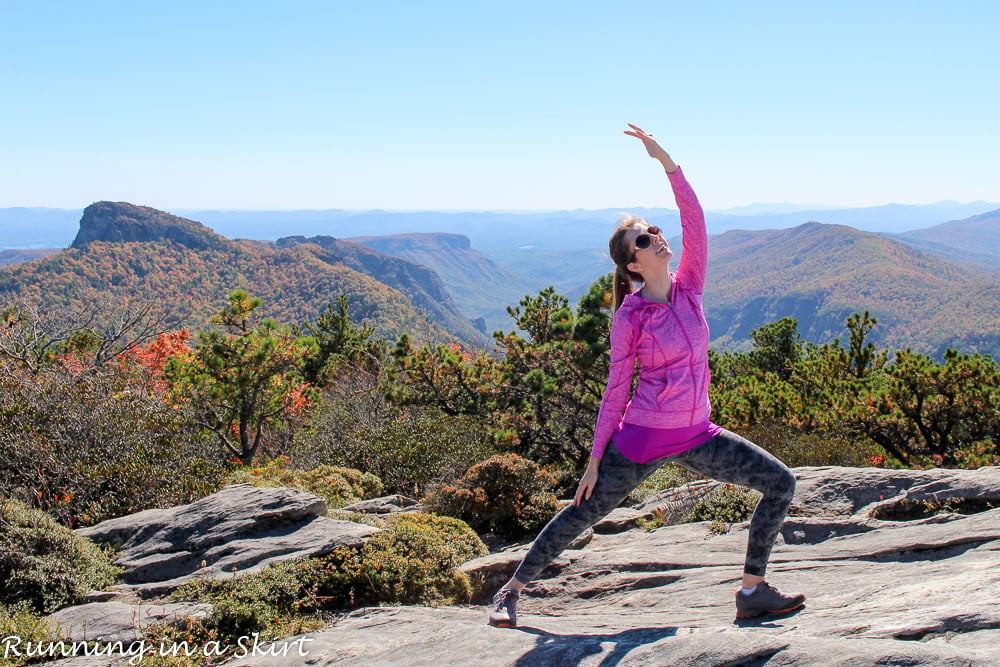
x,y
27,255
930,289
480,287
821,273
492,231
975,240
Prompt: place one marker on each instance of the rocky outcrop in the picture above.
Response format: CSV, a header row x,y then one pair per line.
x,y
121,222
393,504
918,588
240,529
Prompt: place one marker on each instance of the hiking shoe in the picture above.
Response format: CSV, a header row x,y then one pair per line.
x,y
766,599
504,612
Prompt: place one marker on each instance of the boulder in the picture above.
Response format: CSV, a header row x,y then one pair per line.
x,y
240,529
385,505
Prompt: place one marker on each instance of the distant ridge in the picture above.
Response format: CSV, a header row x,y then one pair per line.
x,y
421,285
975,239
480,288
821,273
18,256
491,232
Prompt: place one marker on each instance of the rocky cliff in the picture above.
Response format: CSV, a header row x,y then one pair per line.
x,y
121,222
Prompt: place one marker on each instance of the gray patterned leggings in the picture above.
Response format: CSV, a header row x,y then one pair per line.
x,y
727,457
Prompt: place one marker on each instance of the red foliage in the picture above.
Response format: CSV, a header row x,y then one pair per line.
x,y
299,400
151,360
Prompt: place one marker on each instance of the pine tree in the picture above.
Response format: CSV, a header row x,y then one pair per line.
x,y
243,377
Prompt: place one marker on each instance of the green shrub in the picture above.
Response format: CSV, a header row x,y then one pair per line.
x,y
412,560
796,448
274,602
44,564
505,494
408,448
363,484
337,486
18,620
454,534
727,504
668,476
80,444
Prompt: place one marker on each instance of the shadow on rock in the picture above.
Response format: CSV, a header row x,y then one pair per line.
x,y
767,620
556,649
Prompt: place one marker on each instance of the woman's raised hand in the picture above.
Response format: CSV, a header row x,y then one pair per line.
x,y
654,149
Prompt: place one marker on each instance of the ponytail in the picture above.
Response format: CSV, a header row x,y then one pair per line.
x,y
621,287
621,255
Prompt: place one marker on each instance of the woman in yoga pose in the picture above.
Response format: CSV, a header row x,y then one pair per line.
x,y
668,418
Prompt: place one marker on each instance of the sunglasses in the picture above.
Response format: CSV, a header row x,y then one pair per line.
x,y
643,240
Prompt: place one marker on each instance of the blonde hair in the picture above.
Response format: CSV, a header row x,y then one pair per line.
x,y
622,256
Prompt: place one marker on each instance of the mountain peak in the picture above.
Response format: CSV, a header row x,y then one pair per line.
x,y
122,222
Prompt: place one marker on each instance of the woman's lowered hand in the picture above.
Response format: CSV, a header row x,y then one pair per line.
x,y
588,481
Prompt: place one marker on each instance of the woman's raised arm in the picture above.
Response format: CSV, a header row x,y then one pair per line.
x,y
694,262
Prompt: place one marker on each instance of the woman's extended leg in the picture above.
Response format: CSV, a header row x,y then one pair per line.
x,y
618,477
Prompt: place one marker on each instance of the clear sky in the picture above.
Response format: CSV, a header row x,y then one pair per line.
x,y
495,105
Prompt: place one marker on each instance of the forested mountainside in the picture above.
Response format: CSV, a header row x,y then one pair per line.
x,y
820,274
480,287
421,284
432,285
137,253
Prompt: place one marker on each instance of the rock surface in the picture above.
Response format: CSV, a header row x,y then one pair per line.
x,y
240,529
120,621
920,589
385,505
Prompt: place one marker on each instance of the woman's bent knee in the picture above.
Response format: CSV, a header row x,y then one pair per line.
x,y
784,486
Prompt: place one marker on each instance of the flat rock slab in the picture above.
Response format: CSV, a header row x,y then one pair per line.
x,y
620,519
913,592
419,637
839,491
240,529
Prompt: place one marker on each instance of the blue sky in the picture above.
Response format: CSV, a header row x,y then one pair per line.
x,y
490,105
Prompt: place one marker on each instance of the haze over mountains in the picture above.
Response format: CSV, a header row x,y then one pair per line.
x,y
930,288
50,228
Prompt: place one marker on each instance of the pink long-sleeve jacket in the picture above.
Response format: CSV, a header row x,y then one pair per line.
x,y
669,341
